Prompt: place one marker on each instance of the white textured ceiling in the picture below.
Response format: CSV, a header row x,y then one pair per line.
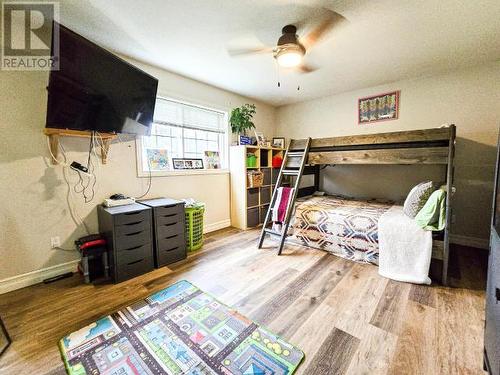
x,y
382,40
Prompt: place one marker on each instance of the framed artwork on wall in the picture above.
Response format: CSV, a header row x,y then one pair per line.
x,y
381,107
184,163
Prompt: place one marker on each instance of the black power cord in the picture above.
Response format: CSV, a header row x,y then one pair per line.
x,y
81,187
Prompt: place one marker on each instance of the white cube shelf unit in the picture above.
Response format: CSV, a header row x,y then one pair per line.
x,y
249,205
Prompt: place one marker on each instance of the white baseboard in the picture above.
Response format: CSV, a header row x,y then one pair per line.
x,y
35,277
480,243
216,226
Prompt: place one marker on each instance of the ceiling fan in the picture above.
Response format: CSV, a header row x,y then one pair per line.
x,y
290,49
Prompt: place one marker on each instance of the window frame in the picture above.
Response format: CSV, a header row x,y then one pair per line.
x,y
139,146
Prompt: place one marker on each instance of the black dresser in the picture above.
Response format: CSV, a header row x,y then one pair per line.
x,y
168,230
128,231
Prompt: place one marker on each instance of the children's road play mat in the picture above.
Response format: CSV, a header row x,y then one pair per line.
x,y
179,330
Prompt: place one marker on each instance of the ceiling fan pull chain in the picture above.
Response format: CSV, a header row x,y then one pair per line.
x,y
278,73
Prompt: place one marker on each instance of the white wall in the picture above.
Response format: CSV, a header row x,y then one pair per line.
x,y
468,98
34,193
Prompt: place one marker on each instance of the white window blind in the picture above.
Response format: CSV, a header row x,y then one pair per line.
x,y
185,131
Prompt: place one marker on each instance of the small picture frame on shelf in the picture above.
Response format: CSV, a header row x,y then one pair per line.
x,y
212,159
187,163
158,159
279,142
261,140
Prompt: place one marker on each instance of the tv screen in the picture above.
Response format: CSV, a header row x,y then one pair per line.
x,y
95,90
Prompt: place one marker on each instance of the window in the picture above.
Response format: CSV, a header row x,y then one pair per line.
x,y
183,130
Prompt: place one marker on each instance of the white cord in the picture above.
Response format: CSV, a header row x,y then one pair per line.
x,y
99,141
52,155
63,249
97,159
150,180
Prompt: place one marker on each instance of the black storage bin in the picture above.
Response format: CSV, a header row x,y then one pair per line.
x,y
253,217
265,195
252,197
263,212
267,176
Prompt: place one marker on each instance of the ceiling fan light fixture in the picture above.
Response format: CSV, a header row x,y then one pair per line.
x,y
289,56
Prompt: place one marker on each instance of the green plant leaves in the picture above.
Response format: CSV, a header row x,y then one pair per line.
x,y
241,118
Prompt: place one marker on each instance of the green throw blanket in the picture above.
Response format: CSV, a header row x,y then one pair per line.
x,y
433,215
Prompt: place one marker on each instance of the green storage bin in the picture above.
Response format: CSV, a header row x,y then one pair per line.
x,y
251,161
194,227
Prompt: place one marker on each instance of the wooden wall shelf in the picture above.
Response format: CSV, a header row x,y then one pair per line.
x,y
54,135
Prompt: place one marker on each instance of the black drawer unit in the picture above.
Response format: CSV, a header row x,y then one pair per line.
x,y
169,230
128,231
492,324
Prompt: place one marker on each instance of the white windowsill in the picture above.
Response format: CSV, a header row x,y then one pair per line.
x,y
194,172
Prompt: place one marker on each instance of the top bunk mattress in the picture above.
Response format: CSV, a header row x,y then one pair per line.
x,y
344,226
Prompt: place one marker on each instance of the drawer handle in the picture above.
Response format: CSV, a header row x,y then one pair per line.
x,y
172,249
169,237
134,233
134,248
168,215
169,225
134,223
132,213
137,261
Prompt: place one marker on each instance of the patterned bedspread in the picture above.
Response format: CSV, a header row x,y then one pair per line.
x,y
343,226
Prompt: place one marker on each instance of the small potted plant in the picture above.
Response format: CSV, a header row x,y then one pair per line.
x,y
241,119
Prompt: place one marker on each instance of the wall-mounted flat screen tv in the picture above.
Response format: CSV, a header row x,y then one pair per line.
x,y
94,90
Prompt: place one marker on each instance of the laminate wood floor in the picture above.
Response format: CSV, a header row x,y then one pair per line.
x,y
343,315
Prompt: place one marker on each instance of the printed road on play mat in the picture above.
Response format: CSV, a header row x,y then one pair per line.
x,y
178,330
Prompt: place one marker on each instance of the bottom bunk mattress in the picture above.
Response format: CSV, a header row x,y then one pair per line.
x,y
342,226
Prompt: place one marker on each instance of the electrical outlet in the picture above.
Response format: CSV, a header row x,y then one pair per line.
x,y
55,242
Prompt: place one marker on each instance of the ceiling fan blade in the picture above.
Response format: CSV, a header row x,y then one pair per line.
x,y
249,51
305,68
321,30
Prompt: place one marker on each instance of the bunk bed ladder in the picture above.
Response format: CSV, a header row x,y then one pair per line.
x,y
293,164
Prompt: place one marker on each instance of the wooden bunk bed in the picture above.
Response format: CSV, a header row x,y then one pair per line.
x,y
428,147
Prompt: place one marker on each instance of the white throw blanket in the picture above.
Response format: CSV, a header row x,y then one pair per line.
x,y
274,212
405,249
